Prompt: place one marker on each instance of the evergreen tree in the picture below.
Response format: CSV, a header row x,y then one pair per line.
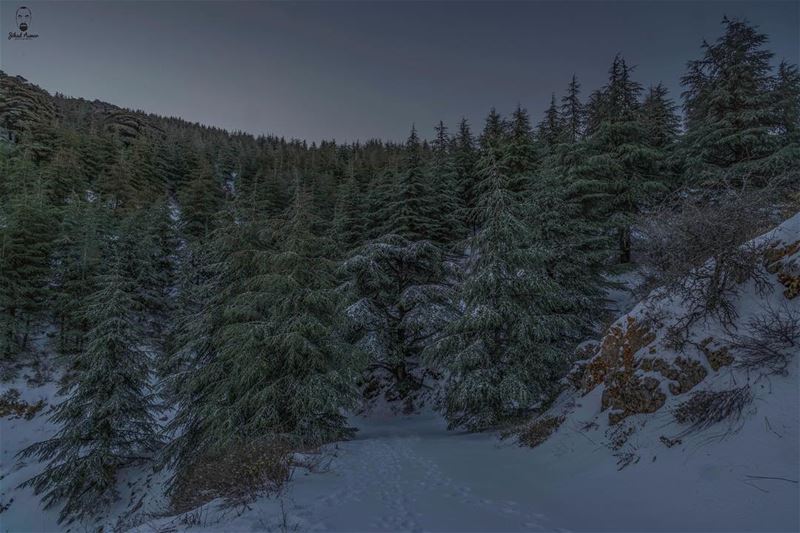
x,y
660,118
264,352
551,129
501,354
116,184
399,301
106,423
730,115
494,131
616,171
464,158
201,200
410,211
76,264
443,178
65,173
348,227
787,101
520,149
26,240
572,113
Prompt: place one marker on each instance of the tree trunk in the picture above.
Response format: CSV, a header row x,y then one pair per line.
x,y
625,244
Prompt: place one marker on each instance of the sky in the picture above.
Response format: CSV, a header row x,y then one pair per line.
x,y
361,70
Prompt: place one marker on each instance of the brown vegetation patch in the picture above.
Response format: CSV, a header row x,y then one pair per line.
x,y
716,358
239,474
706,408
540,430
12,406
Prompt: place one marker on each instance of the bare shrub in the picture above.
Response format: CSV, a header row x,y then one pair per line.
x,y
770,342
540,430
706,408
698,248
239,474
12,406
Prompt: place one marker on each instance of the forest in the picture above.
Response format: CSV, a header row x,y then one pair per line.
x,y
215,296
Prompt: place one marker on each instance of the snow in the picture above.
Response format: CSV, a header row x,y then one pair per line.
x,y
411,474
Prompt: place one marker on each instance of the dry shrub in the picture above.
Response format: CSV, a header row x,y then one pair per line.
x,y
540,430
698,248
706,408
771,341
11,405
239,474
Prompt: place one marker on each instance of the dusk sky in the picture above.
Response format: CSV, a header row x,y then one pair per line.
x,y
350,70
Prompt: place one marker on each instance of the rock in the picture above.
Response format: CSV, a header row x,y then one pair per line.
x,y
685,373
616,352
631,394
784,261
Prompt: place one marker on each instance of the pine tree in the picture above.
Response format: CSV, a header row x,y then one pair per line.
x,y
494,131
787,101
501,354
443,183
410,211
616,171
107,421
520,149
399,301
65,173
76,264
464,158
348,226
219,342
729,109
551,129
660,118
594,112
116,185
201,199
26,240
263,353
572,113
314,368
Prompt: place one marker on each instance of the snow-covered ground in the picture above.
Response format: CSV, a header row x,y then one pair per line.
x,y
411,474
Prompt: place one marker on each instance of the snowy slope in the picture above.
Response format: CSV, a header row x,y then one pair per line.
x,y
641,473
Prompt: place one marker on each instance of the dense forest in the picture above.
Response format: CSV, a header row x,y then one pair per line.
x,y
255,290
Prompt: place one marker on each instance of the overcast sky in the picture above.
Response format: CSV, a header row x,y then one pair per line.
x,y
349,70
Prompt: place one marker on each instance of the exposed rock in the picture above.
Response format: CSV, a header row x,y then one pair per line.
x,y
631,394
616,352
685,373
784,261
582,355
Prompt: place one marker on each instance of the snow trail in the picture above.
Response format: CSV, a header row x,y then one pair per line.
x,y
391,477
